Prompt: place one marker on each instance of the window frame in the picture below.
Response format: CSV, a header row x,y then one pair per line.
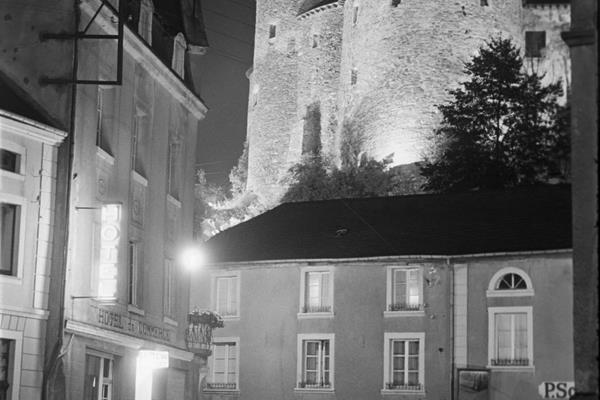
x,y
21,153
134,283
300,360
390,273
492,290
272,32
388,337
215,292
303,282
102,357
15,371
17,274
492,312
224,340
178,59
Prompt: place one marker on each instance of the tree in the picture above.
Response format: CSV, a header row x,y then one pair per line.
x,y
502,128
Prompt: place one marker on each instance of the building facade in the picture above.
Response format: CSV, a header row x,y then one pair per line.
x,y
394,298
118,296
28,148
371,72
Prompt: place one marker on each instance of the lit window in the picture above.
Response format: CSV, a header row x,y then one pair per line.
x,y
98,383
224,365
6,367
178,61
134,290
315,361
11,161
535,43
404,358
9,240
145,22
510,337
317,291
405,289
169,288
227,295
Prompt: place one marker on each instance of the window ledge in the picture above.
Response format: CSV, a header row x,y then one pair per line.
x,y
398,391
512,368
224,391
509,293
133,309
391,314
314,390
302,315
12,175
174,201
105,155
136,176
170,321
11,279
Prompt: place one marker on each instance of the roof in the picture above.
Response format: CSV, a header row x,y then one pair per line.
x,y
18,102
522,219
308,5
183,16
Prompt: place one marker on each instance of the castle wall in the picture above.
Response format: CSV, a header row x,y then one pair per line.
x,y
405,57
271,119
555,62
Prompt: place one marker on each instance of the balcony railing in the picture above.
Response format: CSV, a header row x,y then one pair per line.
x,y
221,386
407,387
314,385
405,307
510,362
315,309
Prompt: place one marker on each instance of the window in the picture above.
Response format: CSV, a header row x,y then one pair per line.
x,y
174,168
272,32
169,288
179,47
510,282
104,110
315,40
9,240
396,3
134,289
484,3
6,367
11,161
353,76
315,361
510,337
98,383
404,367
223,373
311,137
145,22
227,295
404,289
535,43
139,143
317,291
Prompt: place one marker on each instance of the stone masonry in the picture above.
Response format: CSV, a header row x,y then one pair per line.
x,y
381,65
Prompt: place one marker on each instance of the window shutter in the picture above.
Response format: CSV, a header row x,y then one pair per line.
x,y
325,289
399,288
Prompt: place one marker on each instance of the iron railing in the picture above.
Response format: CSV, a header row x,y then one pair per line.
x,y
509,362
405,307
403,386
315,309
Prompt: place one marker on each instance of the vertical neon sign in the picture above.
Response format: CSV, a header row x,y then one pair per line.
x,y
110,233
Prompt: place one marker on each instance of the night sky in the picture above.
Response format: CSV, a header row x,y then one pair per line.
x,y
223,85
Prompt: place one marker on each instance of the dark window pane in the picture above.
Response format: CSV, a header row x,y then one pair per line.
x,y
535,42
10,161
9,237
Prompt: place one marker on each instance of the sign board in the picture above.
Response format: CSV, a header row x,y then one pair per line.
x,y
110,234
557,389
152,359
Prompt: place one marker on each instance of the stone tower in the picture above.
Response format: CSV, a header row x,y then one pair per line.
x,y
379,66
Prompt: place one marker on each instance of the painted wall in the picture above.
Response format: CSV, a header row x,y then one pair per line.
x,y
551,277
24,295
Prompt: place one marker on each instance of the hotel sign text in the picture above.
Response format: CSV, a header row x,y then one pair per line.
x,y
132,326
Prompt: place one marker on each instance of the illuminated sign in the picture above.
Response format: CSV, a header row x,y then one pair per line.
x,y
151,359
557,390
110,233
132,326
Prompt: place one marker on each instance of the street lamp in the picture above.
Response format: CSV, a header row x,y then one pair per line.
x,y
191,258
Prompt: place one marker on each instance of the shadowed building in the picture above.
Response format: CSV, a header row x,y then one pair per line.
x,y
463,296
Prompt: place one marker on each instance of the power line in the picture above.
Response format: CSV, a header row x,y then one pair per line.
x,y
229,36
230,18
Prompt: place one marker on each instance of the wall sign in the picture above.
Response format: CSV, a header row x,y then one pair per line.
x,y
557,389
110,234
132,326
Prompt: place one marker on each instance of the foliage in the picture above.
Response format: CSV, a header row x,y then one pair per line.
x,y
502,128
205,317
239,173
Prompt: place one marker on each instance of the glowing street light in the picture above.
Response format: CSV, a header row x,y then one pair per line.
x,y
191,258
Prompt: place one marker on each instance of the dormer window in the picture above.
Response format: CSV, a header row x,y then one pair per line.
x,y
178,62
145,22
510,282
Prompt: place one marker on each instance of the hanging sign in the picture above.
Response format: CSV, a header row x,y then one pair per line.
x,y
110,234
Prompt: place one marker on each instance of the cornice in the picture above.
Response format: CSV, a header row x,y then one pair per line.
x,y
14,123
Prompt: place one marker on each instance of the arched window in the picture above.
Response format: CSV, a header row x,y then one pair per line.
x,y
179,47
510,281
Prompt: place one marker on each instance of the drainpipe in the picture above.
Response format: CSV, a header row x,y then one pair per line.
x,y
451,319
60,349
